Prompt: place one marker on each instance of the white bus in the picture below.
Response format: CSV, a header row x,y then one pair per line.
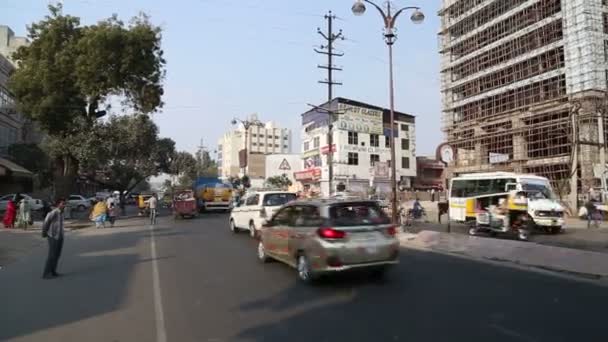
x,y
471,192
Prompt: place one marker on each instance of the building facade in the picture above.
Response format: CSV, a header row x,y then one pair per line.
x,y
9,43
244,151
524,87
361,148
429,174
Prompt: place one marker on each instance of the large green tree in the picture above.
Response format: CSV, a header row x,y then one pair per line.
x,y
70,73
128,152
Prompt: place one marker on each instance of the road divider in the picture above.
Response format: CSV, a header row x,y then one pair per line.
x,y
574,261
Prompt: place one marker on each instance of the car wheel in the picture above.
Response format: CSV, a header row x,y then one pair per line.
x,y
379,273
262,253
81,208
304,273
233,227
523,235
252,231
472,231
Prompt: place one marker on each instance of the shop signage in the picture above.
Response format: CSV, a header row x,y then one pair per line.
x,y
496,158
308,175
354,148
310,153
325,149
359,119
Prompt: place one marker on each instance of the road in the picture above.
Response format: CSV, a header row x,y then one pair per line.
x,y
195,281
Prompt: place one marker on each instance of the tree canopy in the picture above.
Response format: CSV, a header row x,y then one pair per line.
x,y
282,181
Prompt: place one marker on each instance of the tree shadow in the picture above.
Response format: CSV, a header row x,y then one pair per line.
x,y
92,285
450,299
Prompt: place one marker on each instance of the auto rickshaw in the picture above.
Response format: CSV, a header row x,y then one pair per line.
x,y
509,217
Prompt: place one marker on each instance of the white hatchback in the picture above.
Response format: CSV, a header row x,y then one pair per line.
x,y
255,208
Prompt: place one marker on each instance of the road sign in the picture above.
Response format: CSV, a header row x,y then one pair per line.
x,y
284,165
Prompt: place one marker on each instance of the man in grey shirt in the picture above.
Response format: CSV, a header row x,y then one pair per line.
x,y
52,230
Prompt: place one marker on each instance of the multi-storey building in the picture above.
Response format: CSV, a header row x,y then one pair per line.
x,y
234,151
9,43
517,77
361,139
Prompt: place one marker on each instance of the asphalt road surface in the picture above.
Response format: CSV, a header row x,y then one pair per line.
x,y
193,280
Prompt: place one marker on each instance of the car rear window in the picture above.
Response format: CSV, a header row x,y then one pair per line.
x,y
275,200
357,214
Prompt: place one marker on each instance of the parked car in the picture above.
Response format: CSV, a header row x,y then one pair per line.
x,y
79,202
35,204
252,210
327,236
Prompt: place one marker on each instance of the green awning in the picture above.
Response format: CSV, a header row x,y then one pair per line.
x,y
8,167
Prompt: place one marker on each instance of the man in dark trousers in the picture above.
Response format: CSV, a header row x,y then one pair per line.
x,y
52,230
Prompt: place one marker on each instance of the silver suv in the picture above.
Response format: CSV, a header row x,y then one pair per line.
x,y
325,236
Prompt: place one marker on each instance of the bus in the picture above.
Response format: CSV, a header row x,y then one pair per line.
x,y
470,192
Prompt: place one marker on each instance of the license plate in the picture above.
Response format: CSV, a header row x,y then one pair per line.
x,y
364,237
371,250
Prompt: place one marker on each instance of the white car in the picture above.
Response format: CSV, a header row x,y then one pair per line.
x,y
255,208
79,202
35,204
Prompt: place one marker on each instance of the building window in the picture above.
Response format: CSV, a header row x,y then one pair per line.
x,y
388,163
276,137
387,141
405,144
261,144
276,145
405,128
284,146
353,158
285,138
307,146
353,138
374,140
254,144
316,142
405,163
373,158
261,135
254,135
317,160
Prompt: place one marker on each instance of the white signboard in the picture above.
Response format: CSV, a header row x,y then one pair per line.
x,y
496,158
354,148
359,119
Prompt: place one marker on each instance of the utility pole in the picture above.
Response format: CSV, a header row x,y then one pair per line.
x,y
328,50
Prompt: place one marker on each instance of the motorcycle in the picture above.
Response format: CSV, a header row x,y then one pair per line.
x,y
512,222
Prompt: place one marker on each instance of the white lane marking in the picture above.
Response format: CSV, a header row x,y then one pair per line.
x,y
512,333
161,333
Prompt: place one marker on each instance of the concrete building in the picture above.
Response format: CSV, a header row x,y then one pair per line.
x,y
11,123
9,43
429,174
361,148
524,87
234,152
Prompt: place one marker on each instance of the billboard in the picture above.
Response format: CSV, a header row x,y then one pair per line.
x,y
359,119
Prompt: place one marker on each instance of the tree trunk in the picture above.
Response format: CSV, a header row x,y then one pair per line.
x,y
65,173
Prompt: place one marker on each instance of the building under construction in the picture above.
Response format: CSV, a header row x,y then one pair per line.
x,y
524,87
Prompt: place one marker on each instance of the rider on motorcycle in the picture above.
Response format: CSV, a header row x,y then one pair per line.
x,y
417,209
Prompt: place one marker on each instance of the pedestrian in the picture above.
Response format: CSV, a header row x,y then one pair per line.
x,y
112,210
52,230
99,214
152,205
432,195
591,213
10,213
24,216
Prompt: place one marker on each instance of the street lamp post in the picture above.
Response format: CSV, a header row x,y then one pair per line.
x,y
247,123
390,37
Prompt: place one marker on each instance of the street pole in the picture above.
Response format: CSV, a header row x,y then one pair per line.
x,y
390,38
393,136
330,37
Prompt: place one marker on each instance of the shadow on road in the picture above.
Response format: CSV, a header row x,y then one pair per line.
x,y
467,301
98,270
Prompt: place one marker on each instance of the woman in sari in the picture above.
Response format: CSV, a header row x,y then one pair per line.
x,y
10,214
99,214
24,216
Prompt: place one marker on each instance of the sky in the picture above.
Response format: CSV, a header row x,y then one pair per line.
x,y
232,58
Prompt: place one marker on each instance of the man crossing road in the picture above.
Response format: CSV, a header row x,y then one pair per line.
x,y
52,230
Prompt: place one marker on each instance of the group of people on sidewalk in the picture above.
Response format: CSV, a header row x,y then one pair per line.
x,y
18,213
104,211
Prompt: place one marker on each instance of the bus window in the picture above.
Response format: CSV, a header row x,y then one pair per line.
x,y
463,188
484,187
498,186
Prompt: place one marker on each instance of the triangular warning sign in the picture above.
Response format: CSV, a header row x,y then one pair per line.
x,y
284,165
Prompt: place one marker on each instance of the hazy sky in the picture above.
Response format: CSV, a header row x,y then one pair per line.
x,y
230,58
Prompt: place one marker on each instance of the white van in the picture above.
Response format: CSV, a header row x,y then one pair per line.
x,y
256,207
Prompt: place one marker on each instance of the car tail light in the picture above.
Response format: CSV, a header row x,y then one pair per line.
x,y
392,230
330,233
262,213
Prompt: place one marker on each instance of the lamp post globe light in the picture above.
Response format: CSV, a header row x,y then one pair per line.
x,y
389,16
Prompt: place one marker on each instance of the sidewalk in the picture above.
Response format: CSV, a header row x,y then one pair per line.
x,y
573,261
576,234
